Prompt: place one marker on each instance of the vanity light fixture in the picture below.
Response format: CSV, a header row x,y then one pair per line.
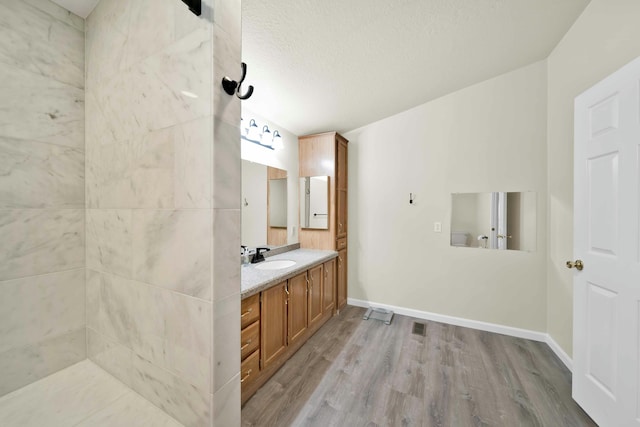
x,y
252,133
277,141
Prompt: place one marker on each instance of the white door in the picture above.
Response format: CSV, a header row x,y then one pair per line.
x,y
502,221
606,340
498,235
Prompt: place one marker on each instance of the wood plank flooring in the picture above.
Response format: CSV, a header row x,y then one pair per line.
x,y
356,372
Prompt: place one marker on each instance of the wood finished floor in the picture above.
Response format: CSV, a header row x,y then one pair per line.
x,y
364,373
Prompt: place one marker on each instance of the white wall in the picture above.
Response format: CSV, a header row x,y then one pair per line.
x,y
286,159
603,39
488,137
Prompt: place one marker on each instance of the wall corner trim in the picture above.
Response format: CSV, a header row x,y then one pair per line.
x,y
473,324
562,355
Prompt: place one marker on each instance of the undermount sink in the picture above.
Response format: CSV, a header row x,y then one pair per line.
x,y
276,264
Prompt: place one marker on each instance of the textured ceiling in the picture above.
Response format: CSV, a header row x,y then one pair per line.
x,y
80,7
320,65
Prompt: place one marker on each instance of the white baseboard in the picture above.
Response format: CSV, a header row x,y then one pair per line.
x,y
473,324
562,355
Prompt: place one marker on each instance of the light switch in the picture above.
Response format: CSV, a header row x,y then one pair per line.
x,y
437,227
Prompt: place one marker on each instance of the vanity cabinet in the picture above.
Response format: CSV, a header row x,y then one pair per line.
x,y
326,154
288,314
329,287
250,339
273,315
314,298
297,310
341,299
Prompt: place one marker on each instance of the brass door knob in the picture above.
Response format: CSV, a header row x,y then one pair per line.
x,y
577,264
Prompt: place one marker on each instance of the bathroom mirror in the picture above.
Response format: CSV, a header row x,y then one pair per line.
x,y
277,200
264,205
495,220
314,202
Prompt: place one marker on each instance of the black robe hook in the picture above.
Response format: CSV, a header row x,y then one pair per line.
x,y
232,86
195,6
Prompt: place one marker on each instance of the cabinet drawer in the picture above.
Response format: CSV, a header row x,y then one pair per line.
x,y
250,339
250,311
250,367
341,244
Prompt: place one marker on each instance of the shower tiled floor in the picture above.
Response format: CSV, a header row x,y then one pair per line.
x,y
80,395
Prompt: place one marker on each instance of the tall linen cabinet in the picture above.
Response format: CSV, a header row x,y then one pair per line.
x,y
326,154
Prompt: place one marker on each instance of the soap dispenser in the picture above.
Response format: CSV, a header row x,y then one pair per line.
x,y
245,258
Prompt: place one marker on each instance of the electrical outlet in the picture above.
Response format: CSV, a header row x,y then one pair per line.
x,y
437,227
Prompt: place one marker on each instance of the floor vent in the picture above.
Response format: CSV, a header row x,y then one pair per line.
x,y
418,328
379,314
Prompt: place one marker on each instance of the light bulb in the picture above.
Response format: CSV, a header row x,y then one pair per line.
x,y
253,133
266,138
277,141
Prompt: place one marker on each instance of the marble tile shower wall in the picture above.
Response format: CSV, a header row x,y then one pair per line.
x,y
42,277
162,198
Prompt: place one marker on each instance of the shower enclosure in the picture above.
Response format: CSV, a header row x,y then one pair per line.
x,y
119,206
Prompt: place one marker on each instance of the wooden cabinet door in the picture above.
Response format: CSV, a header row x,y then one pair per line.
x,y
314,299
273,323
341,215
329,286
341,188
342,278
297,308
341,166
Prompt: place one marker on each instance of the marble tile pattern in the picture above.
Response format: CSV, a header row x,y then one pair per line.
x,y
169,392
109,241
24,365
40,241
42,168
226,52
30,304
40,175
130,410
151,175
80,395
39,108
226,323
168,329
171,249
42,38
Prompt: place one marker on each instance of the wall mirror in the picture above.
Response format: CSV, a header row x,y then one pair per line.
x,y
494,220
277,201
314,202
264,205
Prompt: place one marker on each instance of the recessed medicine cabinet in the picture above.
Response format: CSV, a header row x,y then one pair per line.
x,y
494,220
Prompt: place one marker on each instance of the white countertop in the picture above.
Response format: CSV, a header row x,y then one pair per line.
x,y
254,280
